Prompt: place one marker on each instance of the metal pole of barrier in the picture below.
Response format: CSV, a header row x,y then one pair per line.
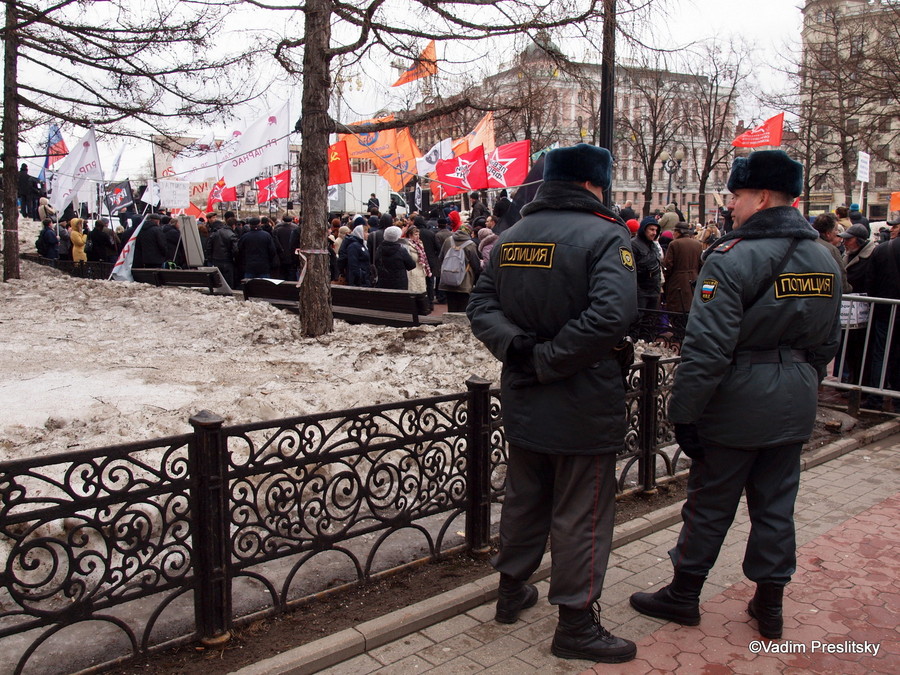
x,y
478,436
649,420
209,507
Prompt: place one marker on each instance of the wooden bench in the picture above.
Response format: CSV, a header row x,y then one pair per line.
x,y
205,278
284,294
353,304
383,306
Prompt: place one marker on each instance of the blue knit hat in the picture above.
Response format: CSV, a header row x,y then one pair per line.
x,y
579,163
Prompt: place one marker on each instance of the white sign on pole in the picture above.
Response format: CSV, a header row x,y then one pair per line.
x,y
862,167
174,194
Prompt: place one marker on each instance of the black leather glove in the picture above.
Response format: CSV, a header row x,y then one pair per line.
x,y
520,362
689,440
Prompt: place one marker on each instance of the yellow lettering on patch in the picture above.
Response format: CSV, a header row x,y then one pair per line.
x,y
811,285
520,254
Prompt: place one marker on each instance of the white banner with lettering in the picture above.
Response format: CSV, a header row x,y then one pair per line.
x,y
263,144
174,194
80,165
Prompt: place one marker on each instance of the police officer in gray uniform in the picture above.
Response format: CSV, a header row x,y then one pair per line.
x,y
763,326
553,305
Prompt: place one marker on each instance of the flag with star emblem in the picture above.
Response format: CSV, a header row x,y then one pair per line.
x,y
220,193
463,173
276,187
507,165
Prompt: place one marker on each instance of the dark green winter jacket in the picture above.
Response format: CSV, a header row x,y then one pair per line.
x,y
735,398
563,275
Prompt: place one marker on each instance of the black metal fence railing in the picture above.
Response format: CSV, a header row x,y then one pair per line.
x,y
133,547
82,269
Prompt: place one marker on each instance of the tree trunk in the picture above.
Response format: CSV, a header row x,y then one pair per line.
x,y
315,293
10,145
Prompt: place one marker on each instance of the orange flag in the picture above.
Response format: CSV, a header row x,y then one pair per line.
x,y
423,66
338,164
895,201
483,133
767,133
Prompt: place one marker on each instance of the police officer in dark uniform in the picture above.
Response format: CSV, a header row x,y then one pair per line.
x,y
553,305
764,324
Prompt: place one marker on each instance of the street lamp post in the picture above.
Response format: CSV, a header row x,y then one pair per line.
x,y
671,165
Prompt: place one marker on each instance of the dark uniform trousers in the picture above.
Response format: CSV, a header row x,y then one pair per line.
x,y
771,478
571,498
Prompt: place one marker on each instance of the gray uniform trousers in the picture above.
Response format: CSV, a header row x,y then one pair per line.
x,y
771,478
571,498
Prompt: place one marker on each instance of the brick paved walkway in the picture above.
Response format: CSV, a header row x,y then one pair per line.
x,y
846,589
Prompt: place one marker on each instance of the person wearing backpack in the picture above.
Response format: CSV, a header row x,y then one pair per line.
x,y
47,243
460,267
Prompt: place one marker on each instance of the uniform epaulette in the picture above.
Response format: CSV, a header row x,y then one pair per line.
x,y
727,246
605,217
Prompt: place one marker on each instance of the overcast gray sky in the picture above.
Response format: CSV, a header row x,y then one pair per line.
x,y
769,25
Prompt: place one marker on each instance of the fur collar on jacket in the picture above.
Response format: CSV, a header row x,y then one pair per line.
x,y
778,222
562,196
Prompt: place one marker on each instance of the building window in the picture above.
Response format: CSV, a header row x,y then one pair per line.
x,y
881,179
852,126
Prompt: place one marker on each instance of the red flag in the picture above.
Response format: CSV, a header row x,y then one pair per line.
x,y
338,164
423,66
276,187
507,165
767,133
191,210
466,172
220,193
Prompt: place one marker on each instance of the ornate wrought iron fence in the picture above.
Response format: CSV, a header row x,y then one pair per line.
x,y
82,269
183,537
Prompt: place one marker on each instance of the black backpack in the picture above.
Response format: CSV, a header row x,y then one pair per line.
x,y
40,244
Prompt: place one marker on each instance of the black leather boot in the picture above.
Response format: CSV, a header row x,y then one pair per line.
x,y
765,607
513,596
678,602
579,635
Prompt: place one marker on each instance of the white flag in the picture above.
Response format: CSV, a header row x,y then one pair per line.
x,y
122,268
441,150
81,164
199,160
115,165
263,144
151,194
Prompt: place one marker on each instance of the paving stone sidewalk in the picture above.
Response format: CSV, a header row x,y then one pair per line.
x,y
845,591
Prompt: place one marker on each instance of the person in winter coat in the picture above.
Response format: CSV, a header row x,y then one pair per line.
x,y
79,239
681,265
486,241
102,246
65,241
669,219
222,248
393,262
857,258
458,295
257,252
421,273
150,245
357,255
763,326
553,305
49,242
648,264
45,210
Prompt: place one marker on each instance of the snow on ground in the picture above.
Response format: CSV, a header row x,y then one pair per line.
x,y
90,363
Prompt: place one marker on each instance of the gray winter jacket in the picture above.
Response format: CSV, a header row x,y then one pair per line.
x,y
735,399
563,275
